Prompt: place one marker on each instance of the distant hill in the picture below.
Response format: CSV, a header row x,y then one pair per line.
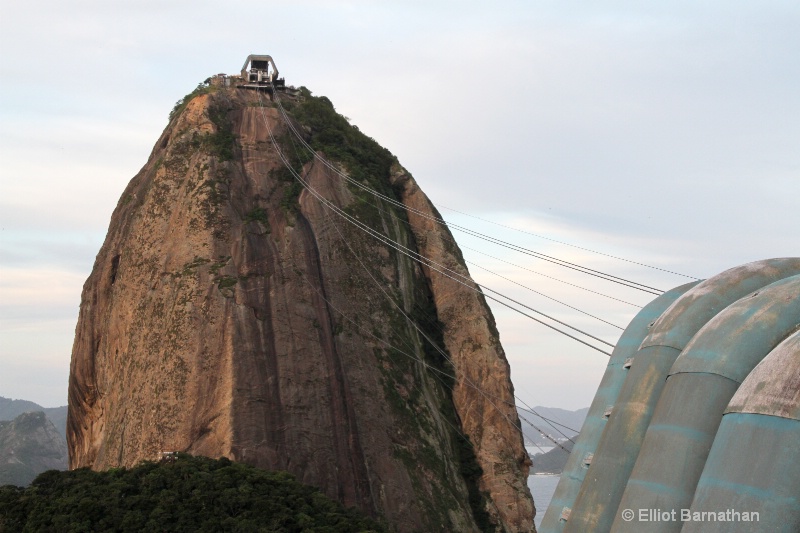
x,y
30,445
551,462
570,419
11,409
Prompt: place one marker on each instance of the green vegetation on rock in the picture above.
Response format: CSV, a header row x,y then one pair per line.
x,y
189,494
180,105
367,162
333,135
259,214
222,142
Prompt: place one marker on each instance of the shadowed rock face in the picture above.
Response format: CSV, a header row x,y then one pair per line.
x,y
229,314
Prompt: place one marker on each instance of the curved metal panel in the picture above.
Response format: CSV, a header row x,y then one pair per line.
x,y
752,468
675,327
753,465
575,469
773,387
702,382
734,341
598,500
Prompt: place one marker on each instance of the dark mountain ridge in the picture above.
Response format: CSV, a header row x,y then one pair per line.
x,y
10,409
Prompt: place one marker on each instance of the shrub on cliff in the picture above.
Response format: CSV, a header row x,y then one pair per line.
x,y
189,494
331,134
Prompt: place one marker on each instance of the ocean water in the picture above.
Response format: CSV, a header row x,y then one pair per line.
x,y
536,450
542,488
542,485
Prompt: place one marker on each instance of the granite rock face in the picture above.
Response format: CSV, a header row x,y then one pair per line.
x,y
232,313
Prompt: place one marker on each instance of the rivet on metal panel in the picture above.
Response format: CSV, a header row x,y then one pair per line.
x,y
608,411
628,362
565,512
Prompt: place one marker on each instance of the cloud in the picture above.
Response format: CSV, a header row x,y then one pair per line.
x,y
26,293
664,133
38,313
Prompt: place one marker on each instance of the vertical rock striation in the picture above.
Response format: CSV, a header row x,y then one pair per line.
x,y
231,313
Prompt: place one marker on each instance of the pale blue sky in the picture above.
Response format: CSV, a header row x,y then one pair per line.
x,y
665,132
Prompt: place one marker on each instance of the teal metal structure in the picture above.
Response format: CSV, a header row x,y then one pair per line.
x,y
602,406
754,464
701,383
597,504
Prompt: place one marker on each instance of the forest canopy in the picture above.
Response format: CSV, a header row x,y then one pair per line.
x,y
187,494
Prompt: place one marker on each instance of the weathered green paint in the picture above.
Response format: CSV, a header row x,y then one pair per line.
x,y
736,340
616,452
701,384
773,387
674,450
574,471
597,503
752,467
675,328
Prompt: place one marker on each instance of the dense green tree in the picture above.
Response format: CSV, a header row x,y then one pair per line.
x,y
189,494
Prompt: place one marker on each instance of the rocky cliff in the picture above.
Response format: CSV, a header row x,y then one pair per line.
x,y
29,445
230,312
